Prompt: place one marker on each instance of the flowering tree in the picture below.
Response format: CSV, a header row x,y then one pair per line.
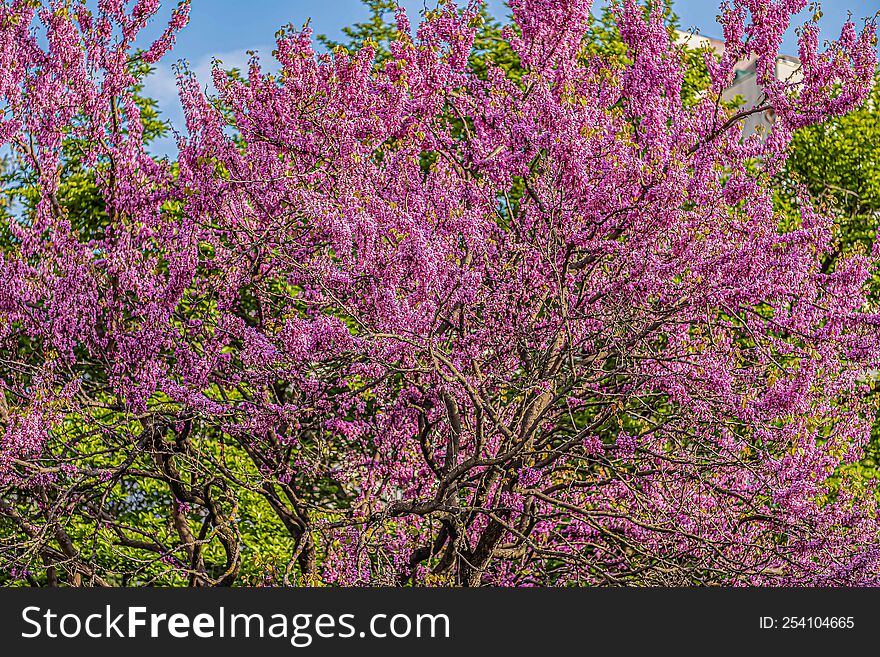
x,y
434,324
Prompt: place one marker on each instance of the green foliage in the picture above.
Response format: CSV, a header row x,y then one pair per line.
x,y
838,163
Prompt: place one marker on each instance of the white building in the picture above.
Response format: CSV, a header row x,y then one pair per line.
x,y
745,85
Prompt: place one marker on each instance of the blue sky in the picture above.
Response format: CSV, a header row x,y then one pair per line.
x,y
227,29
